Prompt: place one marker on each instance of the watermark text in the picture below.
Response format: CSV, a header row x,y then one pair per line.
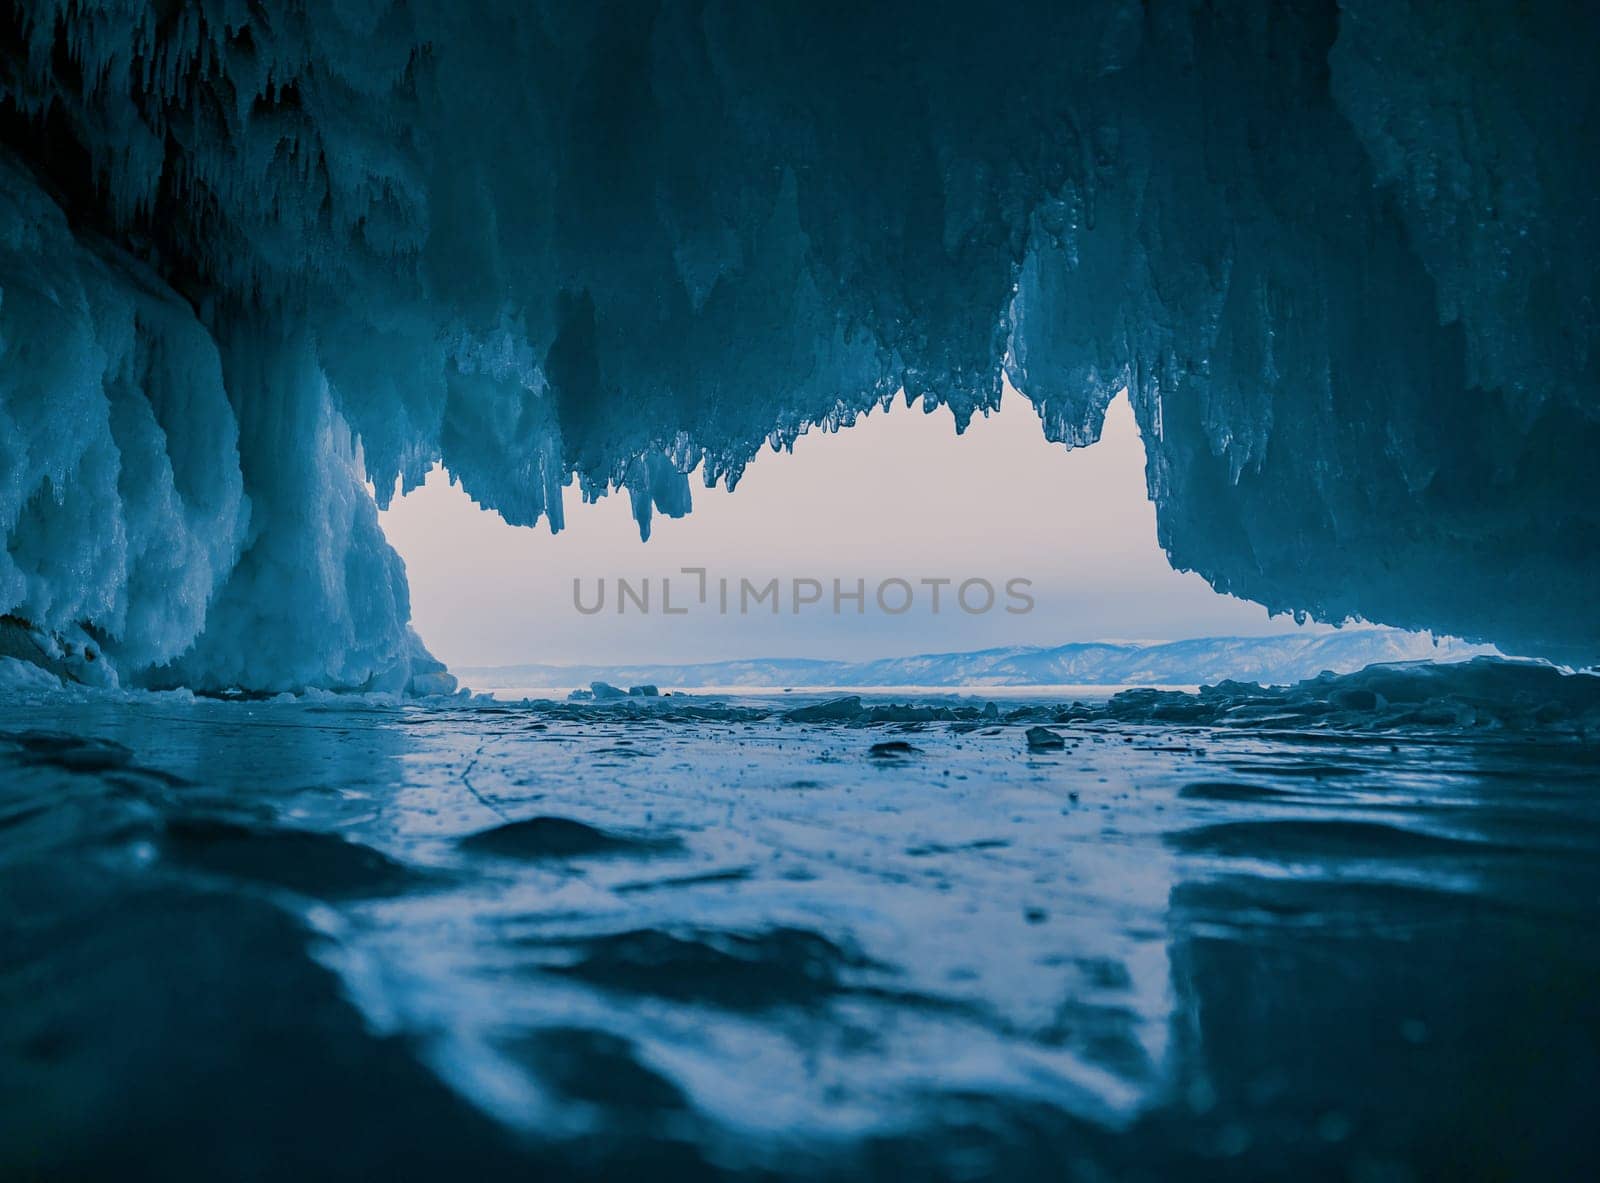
x,y
697,589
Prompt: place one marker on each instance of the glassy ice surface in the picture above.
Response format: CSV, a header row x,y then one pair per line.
x,y
690,937
1339,253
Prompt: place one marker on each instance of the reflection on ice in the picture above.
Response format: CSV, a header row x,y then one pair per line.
x,y
875,934
710,938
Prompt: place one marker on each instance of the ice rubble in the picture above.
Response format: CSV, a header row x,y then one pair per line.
x,y
1480,695
255,253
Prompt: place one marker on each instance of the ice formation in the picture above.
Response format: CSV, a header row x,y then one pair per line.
x,y
257,255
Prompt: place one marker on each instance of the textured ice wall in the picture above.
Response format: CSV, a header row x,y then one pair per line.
x,y
1340,254
121,502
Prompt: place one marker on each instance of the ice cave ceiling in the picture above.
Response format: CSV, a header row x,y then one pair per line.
x,y
252,252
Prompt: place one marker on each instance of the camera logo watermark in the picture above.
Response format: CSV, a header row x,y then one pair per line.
x,y
696,589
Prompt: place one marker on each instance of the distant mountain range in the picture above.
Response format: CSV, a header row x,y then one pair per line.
x,y
1203,660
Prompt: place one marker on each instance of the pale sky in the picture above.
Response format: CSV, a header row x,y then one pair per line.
x,y
899,495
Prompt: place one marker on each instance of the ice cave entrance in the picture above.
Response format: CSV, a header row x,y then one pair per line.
x,y
897,496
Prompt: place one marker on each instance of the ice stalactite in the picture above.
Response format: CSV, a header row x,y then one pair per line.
x,y
1339,253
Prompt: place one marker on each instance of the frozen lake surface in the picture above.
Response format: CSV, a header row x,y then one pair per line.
x,y
682,938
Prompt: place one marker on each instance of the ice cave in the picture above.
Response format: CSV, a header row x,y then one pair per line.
x,y
257,255
267,264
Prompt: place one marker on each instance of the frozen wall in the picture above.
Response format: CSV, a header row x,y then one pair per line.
x,y
1339,253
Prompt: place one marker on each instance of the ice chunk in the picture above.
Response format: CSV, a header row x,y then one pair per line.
x,y
1486,692
835,710
1042,739
25,677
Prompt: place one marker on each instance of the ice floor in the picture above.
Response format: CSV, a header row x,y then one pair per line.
x,y
678,939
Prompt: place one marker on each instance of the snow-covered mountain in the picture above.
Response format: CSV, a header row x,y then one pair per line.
x,y
1201,660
